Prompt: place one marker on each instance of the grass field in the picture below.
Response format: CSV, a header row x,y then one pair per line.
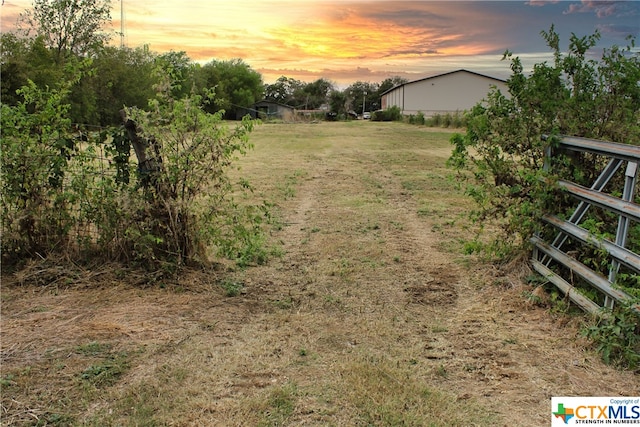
x,y
371,316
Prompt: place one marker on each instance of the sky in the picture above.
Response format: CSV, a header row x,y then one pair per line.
x,y
362,40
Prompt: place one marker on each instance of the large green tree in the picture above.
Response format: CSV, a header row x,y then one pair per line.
x,y
286,90
391,82
338,101
362,94
69,27
317,93
123,77
182,71
14,66
235,84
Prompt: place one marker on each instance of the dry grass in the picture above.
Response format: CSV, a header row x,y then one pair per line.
x,y
371,316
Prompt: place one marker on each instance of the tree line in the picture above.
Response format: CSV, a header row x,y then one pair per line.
x,y
55,34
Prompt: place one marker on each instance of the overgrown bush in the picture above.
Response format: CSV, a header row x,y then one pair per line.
x,y
36,147
79,194
190,201
500,158
447,120
616,337
390,114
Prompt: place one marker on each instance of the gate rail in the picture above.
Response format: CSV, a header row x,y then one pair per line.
x,y
545,253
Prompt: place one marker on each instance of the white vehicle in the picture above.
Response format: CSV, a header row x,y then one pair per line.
x,y
366,115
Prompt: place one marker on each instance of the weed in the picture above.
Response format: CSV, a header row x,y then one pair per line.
x,y
473,246
616,337
93,348
342,268
425,211
397,225
411,185
330,300
441,371
55,420
232,288
6,381
104,374
281,404
287,188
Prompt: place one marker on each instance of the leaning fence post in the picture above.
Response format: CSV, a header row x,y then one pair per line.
x,y
148,167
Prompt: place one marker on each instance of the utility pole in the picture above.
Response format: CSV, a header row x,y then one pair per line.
x,y
364,102
121,24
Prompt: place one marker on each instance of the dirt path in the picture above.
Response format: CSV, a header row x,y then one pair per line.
x,y
369,318
375,280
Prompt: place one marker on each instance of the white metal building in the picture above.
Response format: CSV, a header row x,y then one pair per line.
x,y
449,92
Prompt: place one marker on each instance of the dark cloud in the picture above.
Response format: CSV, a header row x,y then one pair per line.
x,y
540,2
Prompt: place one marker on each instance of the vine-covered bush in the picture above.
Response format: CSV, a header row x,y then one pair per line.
x,y
36,147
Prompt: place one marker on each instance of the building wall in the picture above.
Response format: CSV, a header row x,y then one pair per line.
x,y
285,113
393,98
272,110
451,92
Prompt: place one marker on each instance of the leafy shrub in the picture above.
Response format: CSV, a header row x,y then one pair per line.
x,y
37,146
81,196
616,337
190,204
500,159
573,96
389,115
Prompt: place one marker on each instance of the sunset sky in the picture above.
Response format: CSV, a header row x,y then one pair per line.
x,y
365,40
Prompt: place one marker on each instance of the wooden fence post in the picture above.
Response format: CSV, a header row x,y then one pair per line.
x,y
149,167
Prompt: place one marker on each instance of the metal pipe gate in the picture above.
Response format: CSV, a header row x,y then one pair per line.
x,y
545,254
